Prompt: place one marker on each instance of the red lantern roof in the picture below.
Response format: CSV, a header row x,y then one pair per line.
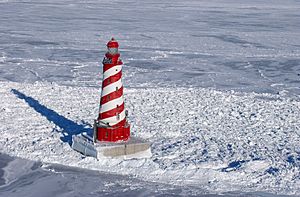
x,y
112,43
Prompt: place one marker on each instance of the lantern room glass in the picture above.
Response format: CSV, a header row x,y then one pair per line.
x,y
112,51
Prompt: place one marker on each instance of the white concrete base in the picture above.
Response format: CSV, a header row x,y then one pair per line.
x,y
132,148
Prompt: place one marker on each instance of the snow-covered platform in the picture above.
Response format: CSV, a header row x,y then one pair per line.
x,y
132,148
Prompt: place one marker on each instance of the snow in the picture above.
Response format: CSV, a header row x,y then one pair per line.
x,y
214,85
217,141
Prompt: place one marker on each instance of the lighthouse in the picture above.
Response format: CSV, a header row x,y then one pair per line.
x,y
111,131
111,124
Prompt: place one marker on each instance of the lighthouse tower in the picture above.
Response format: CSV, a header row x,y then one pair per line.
x,y
111,129
111,124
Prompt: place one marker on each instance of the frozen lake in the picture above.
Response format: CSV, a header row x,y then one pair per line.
x,y
36,179
223,45
20,177
232,45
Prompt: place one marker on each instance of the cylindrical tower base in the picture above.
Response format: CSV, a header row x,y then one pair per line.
x,y
112,134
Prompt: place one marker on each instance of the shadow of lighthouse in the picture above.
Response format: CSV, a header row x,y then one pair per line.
x,y
69,128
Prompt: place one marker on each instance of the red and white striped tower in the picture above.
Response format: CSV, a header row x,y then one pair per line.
x,y
112,124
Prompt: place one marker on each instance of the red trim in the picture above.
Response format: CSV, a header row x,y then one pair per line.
x,y
111,96
111,113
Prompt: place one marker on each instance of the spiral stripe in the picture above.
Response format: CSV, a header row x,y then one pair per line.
x,y
113,120
112,79
121,123
112,71
111,87
110,65
111,104
111,96
112,112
